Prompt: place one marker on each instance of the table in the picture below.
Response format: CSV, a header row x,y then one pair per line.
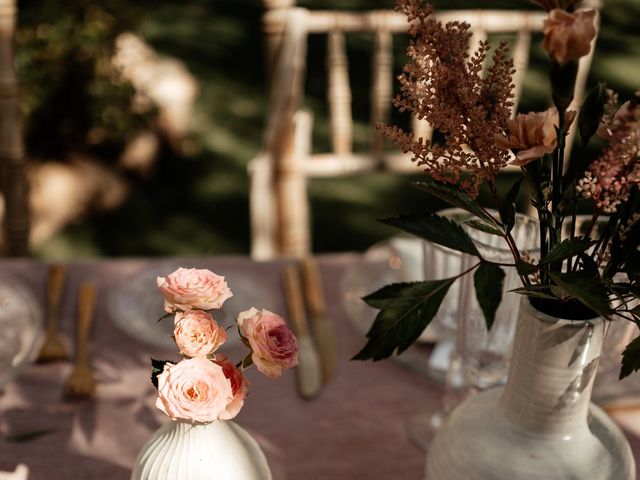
x,y
354,430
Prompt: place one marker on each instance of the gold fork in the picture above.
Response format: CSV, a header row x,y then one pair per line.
x,y
52,348
81,382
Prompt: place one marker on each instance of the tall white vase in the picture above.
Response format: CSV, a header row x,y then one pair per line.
x,y
541,425
219,450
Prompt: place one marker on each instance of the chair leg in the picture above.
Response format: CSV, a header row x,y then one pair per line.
x,y
293,197
262,208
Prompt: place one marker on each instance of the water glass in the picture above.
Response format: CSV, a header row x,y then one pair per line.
x,y
486,353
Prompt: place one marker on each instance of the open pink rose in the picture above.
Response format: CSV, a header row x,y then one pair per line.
x,y
194,389
274,347
567,36
239,386
197,333
533,134
193,288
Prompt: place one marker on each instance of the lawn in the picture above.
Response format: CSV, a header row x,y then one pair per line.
x,y
196,203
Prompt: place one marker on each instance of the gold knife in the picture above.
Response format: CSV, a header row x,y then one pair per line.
x,y
308,372
322,326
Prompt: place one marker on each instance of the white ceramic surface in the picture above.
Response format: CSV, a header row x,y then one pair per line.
x,y
183,450
542,424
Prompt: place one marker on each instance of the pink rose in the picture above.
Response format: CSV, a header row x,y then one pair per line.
x,y
239,386
274,347
533,134
192,288
567,36
197,333
194,389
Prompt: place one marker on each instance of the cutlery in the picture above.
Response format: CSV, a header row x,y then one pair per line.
x,y
52,348
81,382
308,372
321,325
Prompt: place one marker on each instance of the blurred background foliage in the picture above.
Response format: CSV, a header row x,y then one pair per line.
x,y
194,201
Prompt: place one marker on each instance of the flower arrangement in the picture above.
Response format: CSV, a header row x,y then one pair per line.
x,y
580,274
205,385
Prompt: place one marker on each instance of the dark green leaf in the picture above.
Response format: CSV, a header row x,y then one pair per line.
x,y
508,207
25,437
630,358
484,227
525,268
157,367
247,361
407,309
567,248
563,78
436,229
166,315
591,112
585,287
488,281
456,198
534,293
245,340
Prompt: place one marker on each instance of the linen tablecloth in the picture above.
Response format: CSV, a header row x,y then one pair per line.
x,y
355,429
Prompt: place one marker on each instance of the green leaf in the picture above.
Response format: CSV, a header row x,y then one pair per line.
x,y
591,112
436,229
484,227
508,207
585,287
247,361
166,315
630,358
453,196
157,367
533,292
525,268
406,310
567,248
488,280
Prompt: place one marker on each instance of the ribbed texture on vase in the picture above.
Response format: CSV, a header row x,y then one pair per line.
x,y
553,365
185,451
541,425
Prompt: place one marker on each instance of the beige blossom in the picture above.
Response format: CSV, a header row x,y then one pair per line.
x,y
533,134
568,36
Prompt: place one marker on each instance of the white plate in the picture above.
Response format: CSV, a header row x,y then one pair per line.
x,y
136,305
20,324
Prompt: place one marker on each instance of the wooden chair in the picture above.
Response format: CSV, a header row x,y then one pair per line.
x,y
13,183
278,175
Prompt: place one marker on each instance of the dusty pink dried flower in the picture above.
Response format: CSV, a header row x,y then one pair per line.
x,y
609,179
533,134
568,36
444,85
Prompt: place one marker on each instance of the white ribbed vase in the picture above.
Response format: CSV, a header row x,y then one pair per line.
x,y
219,450
541,425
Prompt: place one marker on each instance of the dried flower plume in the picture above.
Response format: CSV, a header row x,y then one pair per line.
x,y
442,84
610,178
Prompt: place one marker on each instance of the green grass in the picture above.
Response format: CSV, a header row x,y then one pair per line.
x,y
197,204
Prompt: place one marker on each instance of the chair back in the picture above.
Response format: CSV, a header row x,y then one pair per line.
x,y
278,197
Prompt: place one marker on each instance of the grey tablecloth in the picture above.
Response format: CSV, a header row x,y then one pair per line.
x,y
355,429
